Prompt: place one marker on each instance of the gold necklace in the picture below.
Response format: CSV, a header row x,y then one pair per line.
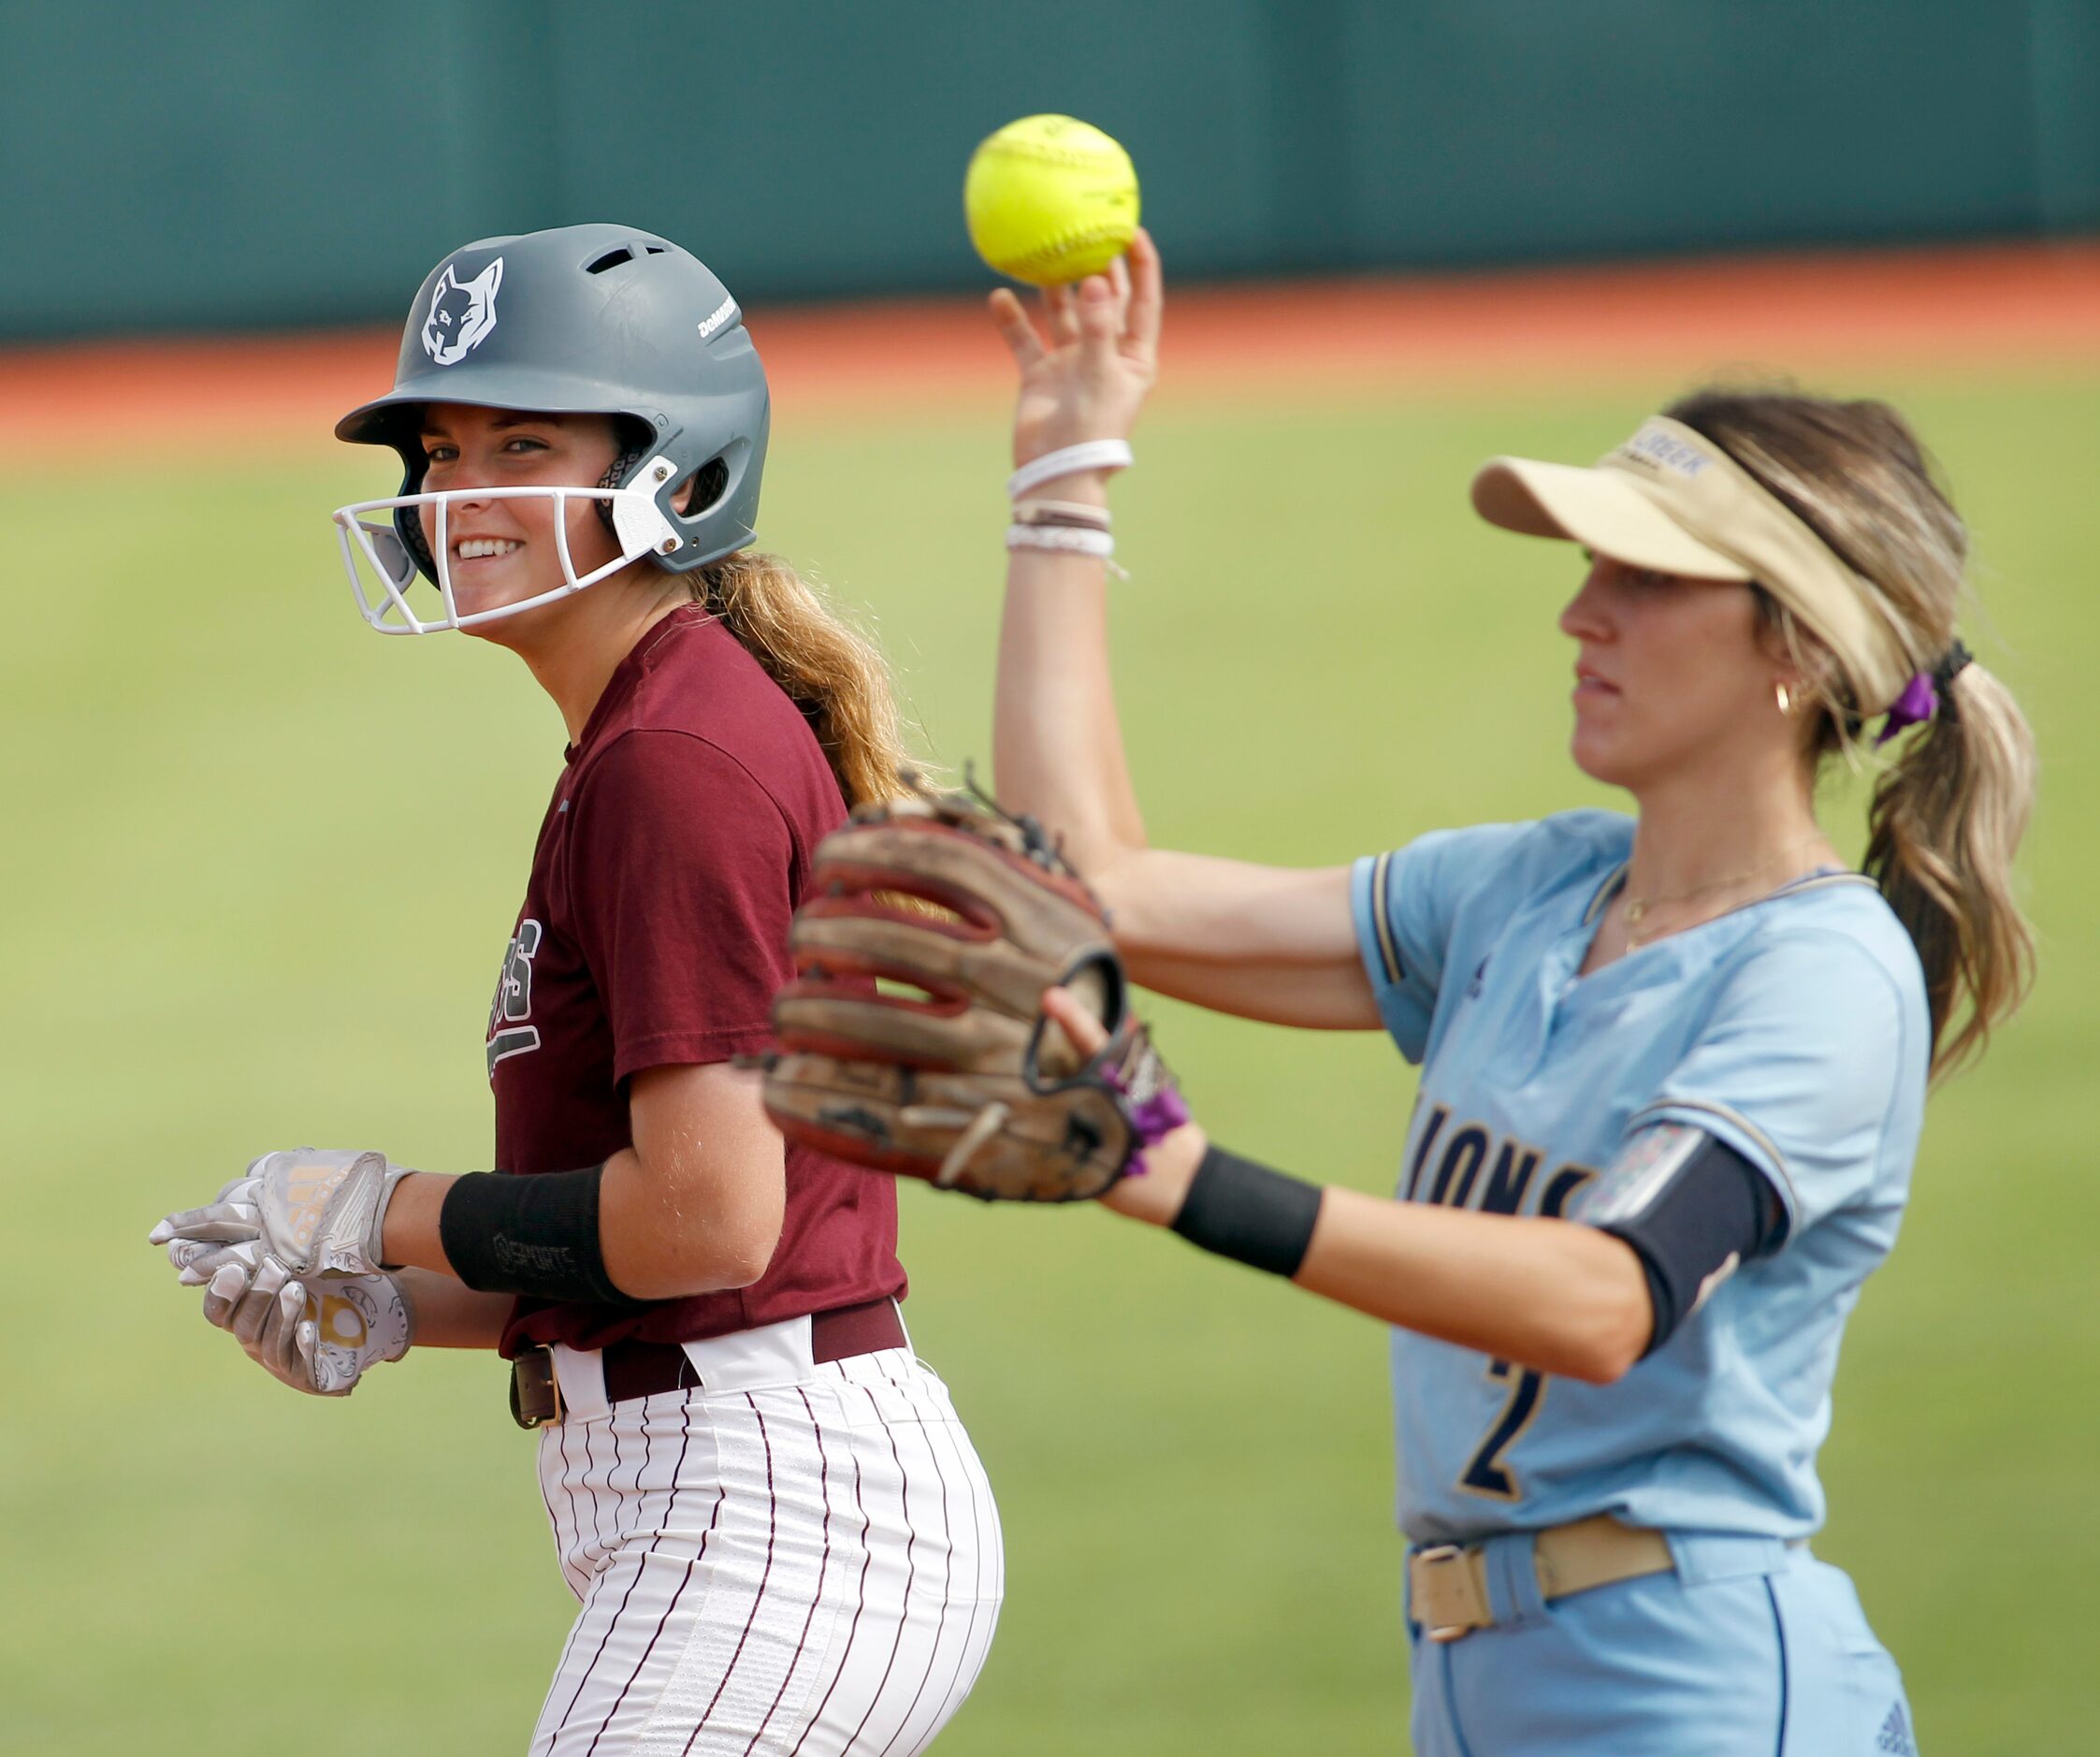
x,y
1637,908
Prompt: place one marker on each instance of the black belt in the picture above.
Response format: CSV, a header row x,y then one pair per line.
x,y
638,1369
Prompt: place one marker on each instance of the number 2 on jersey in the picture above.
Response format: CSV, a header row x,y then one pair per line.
x,y
1485,1473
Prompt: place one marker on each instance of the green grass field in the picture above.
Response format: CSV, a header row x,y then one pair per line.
x,y
261,870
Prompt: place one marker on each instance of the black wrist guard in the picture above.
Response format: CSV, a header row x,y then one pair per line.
x,y
536,1236
1249,1214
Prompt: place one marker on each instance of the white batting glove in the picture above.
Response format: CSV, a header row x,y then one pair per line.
x,y
318,1340
316,1210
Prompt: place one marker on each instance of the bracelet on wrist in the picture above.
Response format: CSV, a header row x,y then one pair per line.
x,y
1074,514
1070,539
1067,540
1068,460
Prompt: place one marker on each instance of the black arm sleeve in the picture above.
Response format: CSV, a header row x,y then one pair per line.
x,y
1694,1212
536,1236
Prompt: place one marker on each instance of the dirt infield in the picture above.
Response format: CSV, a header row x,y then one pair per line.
x,y
2021,305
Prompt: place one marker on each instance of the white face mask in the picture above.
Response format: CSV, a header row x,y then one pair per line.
x,y
638,523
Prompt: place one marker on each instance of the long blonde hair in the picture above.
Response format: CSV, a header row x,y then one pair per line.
x,y
835,674
1948,814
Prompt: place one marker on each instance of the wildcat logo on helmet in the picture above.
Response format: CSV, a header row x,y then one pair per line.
x,y
462,313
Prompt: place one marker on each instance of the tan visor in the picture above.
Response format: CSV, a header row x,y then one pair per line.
x,y
1672,499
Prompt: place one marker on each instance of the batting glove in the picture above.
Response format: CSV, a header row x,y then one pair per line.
x,y
317,1336
315,1209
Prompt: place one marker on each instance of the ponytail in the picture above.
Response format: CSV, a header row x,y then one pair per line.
x,y
1948,814
1945,819
836,675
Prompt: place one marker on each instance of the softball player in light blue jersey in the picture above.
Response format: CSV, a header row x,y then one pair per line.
x,y
1674,1065
1794,1031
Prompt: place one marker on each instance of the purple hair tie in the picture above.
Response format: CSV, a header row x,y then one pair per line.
x,y
1917,704
1927,694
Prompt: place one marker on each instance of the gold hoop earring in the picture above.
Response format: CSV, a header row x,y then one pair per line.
x,y
1783,696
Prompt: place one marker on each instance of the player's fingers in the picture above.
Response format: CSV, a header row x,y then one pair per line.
x,y
277,1348
1147,293
1100,317
231,1297
225,1223
257,1304
1075,1019
223,1296
305,1343
182,1252
1010,318
237,1201
198,1262
1060,311
249,1317
195,1261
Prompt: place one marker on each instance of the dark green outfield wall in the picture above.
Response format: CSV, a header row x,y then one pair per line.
x,y
276,162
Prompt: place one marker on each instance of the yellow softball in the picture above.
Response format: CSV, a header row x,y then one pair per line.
x,y
1050,200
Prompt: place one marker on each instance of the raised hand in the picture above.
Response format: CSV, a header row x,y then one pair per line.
x,y
1088,355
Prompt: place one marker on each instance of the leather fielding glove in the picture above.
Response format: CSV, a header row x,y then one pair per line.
x,y
952,1072
319,1335
317,1211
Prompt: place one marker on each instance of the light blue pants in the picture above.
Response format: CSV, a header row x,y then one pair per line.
x,y
1749,1649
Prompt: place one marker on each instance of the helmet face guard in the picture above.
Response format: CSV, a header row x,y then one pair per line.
x,y
633,513
580,320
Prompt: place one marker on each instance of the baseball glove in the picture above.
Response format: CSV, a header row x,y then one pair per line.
x,y
913,1040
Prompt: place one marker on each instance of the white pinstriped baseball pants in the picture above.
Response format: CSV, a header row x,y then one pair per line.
x,y
794,1560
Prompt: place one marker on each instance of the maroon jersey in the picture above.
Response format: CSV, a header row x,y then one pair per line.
x,y
655,931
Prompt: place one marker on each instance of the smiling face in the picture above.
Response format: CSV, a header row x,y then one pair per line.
x,y
1673,676
503,551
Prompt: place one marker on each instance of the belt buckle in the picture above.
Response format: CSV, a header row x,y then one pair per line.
x,y
535,1389
1436,1566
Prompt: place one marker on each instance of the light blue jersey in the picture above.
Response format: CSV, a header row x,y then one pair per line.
x,y
1794,1029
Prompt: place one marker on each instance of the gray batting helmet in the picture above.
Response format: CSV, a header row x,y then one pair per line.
x,y
590,320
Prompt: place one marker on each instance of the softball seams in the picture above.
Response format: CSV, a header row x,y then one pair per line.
x,y
1040,153
1052,253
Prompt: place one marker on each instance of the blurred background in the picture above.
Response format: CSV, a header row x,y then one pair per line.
x,y
261,867
265,163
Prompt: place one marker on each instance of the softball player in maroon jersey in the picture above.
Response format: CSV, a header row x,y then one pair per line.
x,y
781,1538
